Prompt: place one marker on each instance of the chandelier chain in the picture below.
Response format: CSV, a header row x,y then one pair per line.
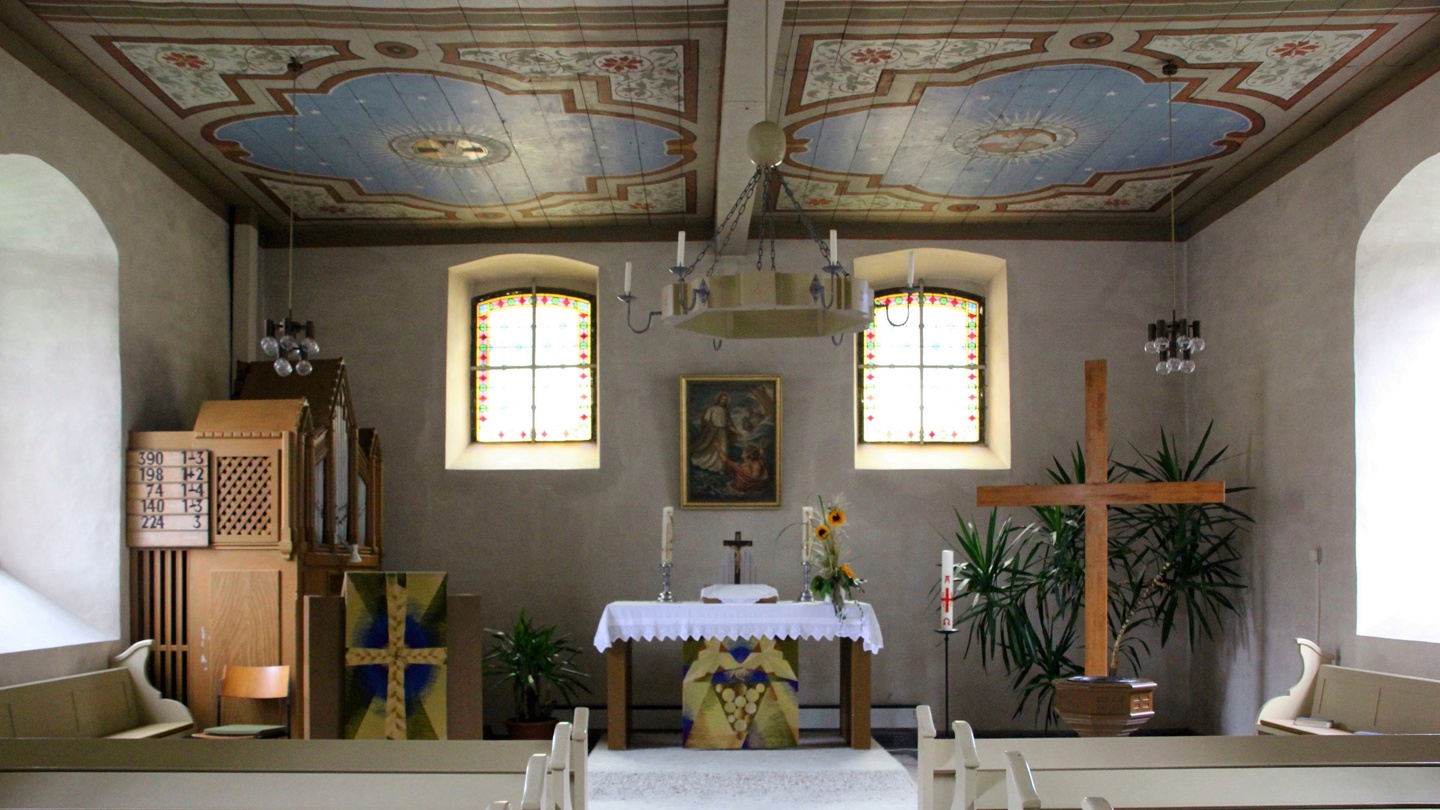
x,y
727,225
809,226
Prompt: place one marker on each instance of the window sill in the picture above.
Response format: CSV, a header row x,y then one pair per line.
x,y
930,457
473,456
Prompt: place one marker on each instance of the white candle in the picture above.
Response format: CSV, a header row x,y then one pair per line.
x,y
627,278
807,519
680,251
910,274
834,248
667,534
947,589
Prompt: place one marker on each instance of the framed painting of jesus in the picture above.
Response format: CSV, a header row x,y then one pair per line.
x,y
729,441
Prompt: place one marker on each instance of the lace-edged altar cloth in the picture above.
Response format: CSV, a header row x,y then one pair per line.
x,y
655,621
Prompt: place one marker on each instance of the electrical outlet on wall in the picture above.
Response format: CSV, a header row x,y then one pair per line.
x,y
1315,555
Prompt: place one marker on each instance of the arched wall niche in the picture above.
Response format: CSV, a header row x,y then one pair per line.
x,y
490,274
1397,393
61,536
972,272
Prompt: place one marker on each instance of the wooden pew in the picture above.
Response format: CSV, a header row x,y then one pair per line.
x,y
1254,786
241,775
118,703
1355,700
963,773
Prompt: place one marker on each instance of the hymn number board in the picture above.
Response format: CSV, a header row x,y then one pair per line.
x,y
167,498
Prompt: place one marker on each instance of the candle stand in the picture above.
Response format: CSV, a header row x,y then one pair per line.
x,y
665,594
947,633
805,595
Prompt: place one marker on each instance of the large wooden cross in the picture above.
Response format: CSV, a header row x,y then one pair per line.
x,y
1097,495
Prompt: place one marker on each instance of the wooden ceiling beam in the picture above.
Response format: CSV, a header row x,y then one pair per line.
x,y
743,103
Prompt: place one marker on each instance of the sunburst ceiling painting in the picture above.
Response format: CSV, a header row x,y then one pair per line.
x,y
608,119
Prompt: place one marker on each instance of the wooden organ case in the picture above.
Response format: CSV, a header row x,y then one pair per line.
x,y
271,498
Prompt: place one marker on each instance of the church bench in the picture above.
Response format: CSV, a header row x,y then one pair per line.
x,y
1355,700
118,703
319,774
361,773
1347,786
977,768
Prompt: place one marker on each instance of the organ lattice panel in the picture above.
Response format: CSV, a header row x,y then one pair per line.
x,y
247,498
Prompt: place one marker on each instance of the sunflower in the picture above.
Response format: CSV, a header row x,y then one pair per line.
x,y
845,569
836,517
822,532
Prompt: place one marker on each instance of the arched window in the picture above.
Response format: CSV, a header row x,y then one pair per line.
x,y
530,374
534,366
1397,296
59,277
921,366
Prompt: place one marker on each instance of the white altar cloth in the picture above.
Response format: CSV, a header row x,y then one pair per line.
x,y
651,621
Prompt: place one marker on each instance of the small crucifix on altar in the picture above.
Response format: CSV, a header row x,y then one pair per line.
x,y
739,547
1082,708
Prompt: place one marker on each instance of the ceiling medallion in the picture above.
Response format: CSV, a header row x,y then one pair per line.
x,y
1015,140
396,50
1098,39
455,149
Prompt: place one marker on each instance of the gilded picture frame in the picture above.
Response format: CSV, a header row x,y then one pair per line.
x,y
730,441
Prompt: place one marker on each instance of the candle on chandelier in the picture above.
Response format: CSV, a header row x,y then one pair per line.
x,y
680,251
667,534
910,274
627,278
834,247
947,590
807,519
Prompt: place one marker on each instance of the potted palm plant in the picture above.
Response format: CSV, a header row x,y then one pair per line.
x,y
1020,588
539,665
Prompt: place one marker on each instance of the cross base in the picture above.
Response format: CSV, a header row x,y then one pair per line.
x,y
1105,707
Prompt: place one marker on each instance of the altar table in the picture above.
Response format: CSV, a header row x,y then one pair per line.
x,y
625,622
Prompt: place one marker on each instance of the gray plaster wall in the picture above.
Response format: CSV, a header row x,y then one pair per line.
x,y
173,287
562,544
1274,283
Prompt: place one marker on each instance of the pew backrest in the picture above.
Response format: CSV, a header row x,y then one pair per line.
x,y
1255,786
339,774
117,702
1354,700
579,757
556,795
532,796
963,773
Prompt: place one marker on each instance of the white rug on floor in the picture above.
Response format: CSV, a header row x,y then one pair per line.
x,y
673,778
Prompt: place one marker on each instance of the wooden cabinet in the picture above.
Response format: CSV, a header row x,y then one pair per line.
x,y
293,499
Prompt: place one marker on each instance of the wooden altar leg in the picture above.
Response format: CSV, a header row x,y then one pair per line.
x,y
617,705
855,694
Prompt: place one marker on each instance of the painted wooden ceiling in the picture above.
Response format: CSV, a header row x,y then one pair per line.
x,y
561,118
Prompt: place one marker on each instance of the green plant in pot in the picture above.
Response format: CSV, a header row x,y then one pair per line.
x,y
1020,589
539,666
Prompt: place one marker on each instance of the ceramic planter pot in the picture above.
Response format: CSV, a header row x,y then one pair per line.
x,y
531,729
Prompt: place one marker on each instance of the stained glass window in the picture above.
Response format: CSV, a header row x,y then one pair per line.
x,y
922,381
534,367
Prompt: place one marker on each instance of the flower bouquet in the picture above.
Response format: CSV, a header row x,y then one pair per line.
x,y
834,579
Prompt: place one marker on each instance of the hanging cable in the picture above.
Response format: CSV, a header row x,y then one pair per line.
x,y
292,344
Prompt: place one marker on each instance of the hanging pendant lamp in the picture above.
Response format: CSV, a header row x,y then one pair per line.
x,y
1176,340
290,342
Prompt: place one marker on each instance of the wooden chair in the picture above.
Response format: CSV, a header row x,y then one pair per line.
x,y
250,683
